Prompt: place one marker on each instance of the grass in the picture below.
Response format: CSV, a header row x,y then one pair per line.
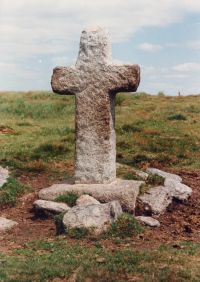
x,y
127,172
68,198
146,135
155,180
77,233
125,226
60,228
11,191
177,117
37,131
47,260
37,137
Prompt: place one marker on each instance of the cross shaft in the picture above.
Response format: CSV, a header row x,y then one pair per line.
x,y
95,81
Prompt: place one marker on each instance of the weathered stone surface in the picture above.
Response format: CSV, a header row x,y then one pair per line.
x,y
147,220
85,200
178,190
96,218
156,200
95,81
141,174
6,224
51,206
4,174
124,191
164,174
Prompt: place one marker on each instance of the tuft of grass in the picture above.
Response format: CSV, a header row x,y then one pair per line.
x,y
152,181
125,226
49,150
155,180
193,109
38,166
161,94
77,233
68,198
10,191
126,172
130,128
144,188
60,228
120,99
24,123
177,117
138,159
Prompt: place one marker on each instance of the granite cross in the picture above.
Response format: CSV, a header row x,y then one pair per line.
x,y
95,81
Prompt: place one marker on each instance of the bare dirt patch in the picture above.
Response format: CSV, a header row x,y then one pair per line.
x,y
6,130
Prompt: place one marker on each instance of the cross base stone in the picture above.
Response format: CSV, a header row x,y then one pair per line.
x,y
124,191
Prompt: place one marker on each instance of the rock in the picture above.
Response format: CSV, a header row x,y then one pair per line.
x,y
118,165
141,174
179,191
6,224
150,221
124,191
115,209
164,174
96,218
156,200
86,200
95,80
50,206
4,175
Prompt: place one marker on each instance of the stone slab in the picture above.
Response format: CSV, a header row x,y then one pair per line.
x,y
179,190
147,220
156,200
86,200
6,224
164,174
124,191
51,206
4,174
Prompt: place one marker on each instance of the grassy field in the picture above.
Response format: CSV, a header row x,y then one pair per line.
x,y
37,137
43,261
37,130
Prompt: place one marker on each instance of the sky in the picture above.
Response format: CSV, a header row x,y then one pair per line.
x,y
163,37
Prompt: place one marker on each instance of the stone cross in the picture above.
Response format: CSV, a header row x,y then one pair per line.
x,y
95,81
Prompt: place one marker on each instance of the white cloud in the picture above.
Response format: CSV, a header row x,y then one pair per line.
x,y
41,27
190,67
171,79
172,45
148,47
33,29
194,45
148,70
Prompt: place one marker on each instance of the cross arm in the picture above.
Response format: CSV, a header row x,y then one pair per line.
x,y
125,78
66,81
